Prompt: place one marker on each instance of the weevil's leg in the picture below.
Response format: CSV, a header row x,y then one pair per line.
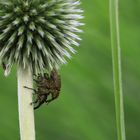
x,y
34,102
39,101
35,91
36,107
54,96
29,88
48,101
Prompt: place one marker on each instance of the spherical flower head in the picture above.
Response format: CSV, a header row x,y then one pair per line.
x,y
38,33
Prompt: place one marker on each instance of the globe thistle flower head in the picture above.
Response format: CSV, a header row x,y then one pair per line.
x,y
39,33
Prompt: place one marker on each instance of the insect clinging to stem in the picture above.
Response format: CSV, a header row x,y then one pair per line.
x,y
46,85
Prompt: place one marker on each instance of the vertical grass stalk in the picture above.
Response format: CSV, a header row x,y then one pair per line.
x,y
116,58
26,113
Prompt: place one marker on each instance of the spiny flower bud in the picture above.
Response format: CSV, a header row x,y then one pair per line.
x,y
39,33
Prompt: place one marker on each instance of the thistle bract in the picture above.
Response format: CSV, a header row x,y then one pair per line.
x,y
39,33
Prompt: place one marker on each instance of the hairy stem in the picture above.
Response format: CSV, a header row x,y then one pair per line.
x,y
26,113
116,57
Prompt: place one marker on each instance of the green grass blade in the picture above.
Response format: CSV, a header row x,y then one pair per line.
x,y
116,58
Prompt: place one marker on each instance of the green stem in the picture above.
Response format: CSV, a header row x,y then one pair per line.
x,y
116,58
26,112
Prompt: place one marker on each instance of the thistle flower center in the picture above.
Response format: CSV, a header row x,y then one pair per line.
x,y
25,13
37,32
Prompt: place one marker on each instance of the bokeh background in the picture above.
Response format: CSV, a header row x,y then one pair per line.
x,y
85,108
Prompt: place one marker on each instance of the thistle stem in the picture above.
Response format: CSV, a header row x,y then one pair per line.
x,y
116,58
26,113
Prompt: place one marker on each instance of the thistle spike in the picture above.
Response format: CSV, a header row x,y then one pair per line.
x,y
38,32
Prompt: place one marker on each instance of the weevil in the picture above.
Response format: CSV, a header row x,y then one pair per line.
x,y
46,85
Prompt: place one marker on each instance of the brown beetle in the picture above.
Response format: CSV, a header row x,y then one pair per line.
x,y
46,85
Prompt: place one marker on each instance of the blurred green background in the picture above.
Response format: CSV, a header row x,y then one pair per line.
x,y
85,108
